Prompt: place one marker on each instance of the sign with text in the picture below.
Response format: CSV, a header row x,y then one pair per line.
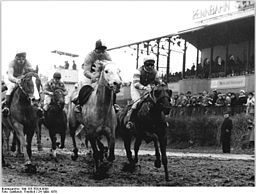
x,y
237,82
221,8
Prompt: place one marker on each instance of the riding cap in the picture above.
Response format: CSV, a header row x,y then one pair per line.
x,y
149,58
57,75
99,45
21,53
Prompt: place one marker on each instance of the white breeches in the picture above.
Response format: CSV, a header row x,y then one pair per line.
x,y
10,86
136,95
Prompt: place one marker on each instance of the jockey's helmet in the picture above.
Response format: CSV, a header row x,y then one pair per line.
x,y
100,45
21,53
56,75
149,59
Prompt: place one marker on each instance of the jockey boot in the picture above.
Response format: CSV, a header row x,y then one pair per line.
x,y
78,108
6,108
130,124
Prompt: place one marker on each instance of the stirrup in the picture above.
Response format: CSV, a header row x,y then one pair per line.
x,y
130,125
78,109
6,111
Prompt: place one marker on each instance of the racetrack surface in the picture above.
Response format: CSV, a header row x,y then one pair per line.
x,y
185,169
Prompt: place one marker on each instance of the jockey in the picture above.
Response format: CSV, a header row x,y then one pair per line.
x,y
90,72
18,67
143,79
50,87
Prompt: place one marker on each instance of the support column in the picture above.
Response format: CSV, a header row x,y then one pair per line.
x,y
211,61
157,55
248,56
227,59
184,60
147,48
168,60
137,58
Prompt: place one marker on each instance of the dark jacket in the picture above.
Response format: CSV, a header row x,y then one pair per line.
x,y
226,129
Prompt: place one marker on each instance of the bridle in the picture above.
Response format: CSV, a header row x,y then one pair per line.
x,y
23,78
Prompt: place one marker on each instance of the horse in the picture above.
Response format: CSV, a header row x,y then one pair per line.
x,y
56,120
150,125
98,115
23,115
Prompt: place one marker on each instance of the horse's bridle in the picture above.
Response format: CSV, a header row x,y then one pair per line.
x,y
22,89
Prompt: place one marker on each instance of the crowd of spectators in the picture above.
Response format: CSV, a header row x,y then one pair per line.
x,y
216,68
214,103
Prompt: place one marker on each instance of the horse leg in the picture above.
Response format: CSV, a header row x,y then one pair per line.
x,y
127,144
137,144
21,138
111,146
163,144
95,151
54,146
72,132
102,149
14,142
157,153
29,140
63,137
39,136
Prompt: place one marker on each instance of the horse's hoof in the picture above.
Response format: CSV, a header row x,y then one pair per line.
x,y
111,158
30,168
74,157
58,144
158,163
62,147
13,148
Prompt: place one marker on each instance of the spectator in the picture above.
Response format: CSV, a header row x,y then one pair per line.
x,y
250,104
218,67
226,129
193,71
206,67
242,100
231,66
214,96
74,65
220,104
251,129
66,66
199,71
233,103
240,68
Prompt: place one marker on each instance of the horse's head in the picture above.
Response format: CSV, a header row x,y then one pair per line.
x,y
58,99
111,74
161,95
30,85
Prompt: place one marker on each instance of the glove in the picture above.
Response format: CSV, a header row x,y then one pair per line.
x,y
147,88
18,81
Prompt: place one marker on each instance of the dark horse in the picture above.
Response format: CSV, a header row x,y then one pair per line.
x,y
150,125
56,120
24,114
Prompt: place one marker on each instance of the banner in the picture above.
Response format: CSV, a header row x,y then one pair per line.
x,y
225,83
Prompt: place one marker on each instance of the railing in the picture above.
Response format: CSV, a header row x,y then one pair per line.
x,y
204,110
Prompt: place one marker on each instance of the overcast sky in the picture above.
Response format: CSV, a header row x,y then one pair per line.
x,y
74,26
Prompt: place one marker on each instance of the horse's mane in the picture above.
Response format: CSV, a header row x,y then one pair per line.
x,y
30,74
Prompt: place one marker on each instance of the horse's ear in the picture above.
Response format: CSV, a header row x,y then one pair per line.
x,y
37,69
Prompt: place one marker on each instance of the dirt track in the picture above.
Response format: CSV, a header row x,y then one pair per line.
x,y
184,170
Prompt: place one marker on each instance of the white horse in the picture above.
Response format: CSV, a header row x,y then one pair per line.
x,y
98,115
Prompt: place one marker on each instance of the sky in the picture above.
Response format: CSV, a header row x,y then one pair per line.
x,y
74,26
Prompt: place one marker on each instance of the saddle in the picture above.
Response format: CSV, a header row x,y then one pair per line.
x,y
84,95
